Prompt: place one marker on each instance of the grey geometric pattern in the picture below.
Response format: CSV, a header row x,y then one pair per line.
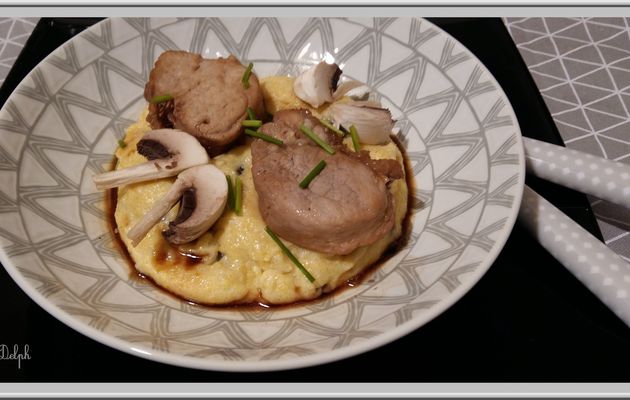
x,y
61,125
13,35
582,68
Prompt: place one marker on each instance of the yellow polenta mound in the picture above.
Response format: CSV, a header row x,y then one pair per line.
x,y
236,261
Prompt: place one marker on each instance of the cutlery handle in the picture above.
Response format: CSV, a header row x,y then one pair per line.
x,y
605,179
605,273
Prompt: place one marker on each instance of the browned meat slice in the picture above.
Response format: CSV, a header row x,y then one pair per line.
x,y
161,115
209,100
346,206
286,126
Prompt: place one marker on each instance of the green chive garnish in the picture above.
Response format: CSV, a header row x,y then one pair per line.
x,y
238,195
311,135
246,74
230,200
251,114
252,123
355,138
288,253
330,126
311,175
160,98
264,137
122,144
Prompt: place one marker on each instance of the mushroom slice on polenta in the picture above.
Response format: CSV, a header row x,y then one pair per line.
x,y
203,190
169,152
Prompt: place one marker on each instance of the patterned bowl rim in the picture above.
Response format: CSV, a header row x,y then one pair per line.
x,y
307,360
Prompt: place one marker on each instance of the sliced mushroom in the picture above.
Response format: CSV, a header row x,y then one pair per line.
x,y
373,124
203,190
317,84
352,89
169,151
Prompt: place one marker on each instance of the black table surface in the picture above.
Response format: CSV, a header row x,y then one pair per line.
x,y
527,320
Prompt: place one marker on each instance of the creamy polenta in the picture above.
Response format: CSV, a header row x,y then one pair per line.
x,y
236,261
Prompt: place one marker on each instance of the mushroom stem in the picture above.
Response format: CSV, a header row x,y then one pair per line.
x,y
137,173
159,210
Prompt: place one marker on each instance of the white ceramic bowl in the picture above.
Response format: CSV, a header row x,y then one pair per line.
x,y
61,126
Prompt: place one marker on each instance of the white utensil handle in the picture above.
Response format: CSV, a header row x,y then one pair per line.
x,y
605,273
608,180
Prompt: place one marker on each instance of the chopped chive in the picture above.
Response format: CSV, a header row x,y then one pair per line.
x,y
252,123
238,195
311,175
230,199
121,143
355,138
264,137
246,74
250,114
288,253
160,98
330,126
311,135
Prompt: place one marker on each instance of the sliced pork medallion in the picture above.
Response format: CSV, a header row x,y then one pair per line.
x,y
286,126
203,97
346,206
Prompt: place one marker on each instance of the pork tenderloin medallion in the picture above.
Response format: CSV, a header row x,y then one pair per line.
x,y
346,206
207,97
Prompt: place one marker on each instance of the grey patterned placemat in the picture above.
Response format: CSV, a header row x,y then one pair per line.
x,y
582,69
13,35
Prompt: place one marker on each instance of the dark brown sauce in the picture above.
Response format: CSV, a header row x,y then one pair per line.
x,y
168,254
